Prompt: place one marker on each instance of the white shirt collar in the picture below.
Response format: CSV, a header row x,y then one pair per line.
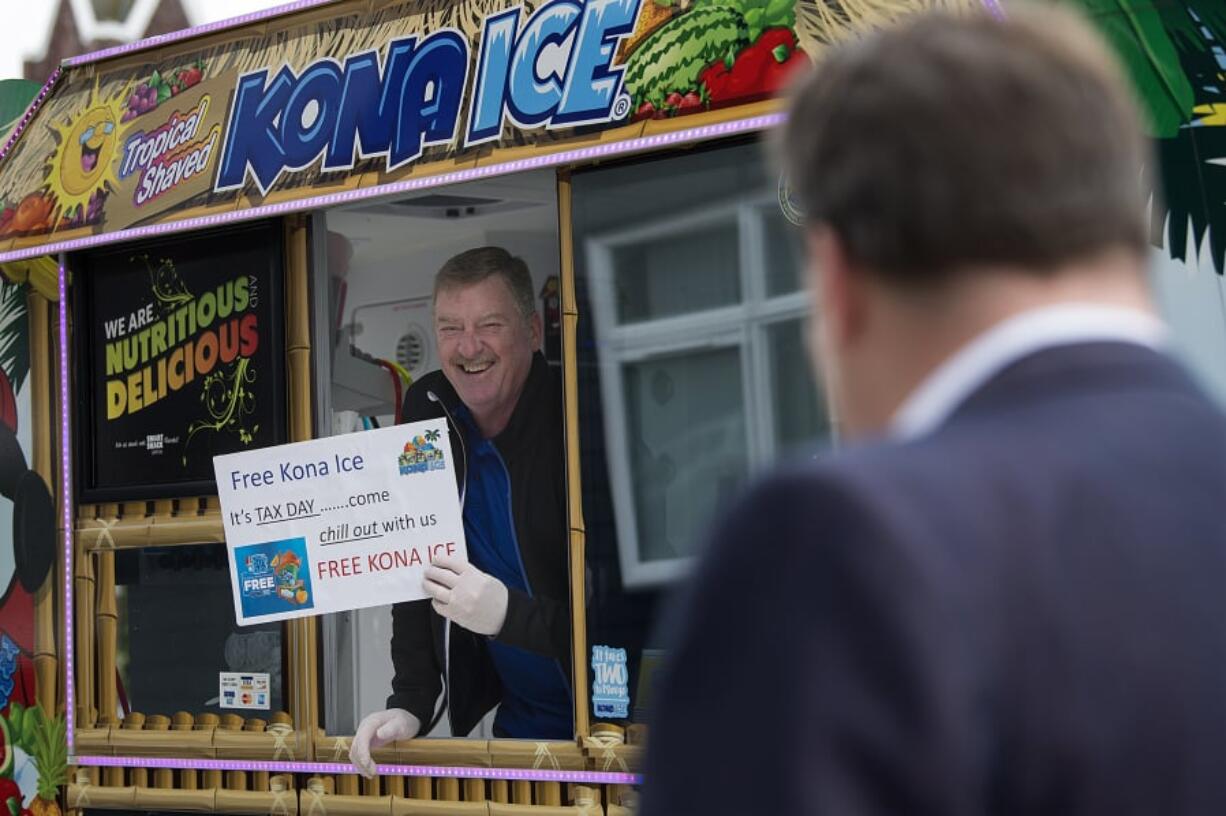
x,y
960,375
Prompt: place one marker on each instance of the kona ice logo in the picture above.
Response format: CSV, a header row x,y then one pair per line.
x,y
274,576
421,455
553,69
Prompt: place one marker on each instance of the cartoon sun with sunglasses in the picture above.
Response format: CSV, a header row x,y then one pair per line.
x,y
82,168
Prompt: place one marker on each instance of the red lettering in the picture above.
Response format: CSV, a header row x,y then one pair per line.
x,y
415,558
248,336
434,549
339,568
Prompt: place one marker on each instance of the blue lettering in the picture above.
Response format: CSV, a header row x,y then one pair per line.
x,y
433,93
592,83
370,106
493,66
310,114
287,124
533,96
251,139
556,71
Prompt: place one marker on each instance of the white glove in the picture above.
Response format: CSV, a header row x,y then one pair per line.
x,y
466,595
377,730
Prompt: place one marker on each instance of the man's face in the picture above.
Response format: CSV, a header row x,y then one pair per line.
x,y
485,344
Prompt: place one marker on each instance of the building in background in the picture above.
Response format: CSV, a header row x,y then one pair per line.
x,y
81,26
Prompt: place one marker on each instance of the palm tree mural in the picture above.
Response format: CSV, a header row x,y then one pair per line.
x,y
1175,52
14,336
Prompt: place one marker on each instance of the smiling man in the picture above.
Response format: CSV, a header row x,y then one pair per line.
x,y
496,630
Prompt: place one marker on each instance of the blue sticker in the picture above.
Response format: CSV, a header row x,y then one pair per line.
x,y
274,576
610,683
9,652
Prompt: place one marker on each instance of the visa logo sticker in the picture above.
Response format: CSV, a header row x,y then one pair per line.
x,y
553,70
246,690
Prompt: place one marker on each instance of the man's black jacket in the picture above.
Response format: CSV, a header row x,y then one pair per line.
x,y
532,448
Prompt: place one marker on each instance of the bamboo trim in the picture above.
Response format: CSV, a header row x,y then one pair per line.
x,y
101,796
574,487
301,634
474,790
134,722
163,778
113,778
344,804
42,404
566,756
209,721
446,789
108,638
94,741
548,793
85,588
414,807
257,803
184,723
615,758
260,780
98,534
542,810
192,801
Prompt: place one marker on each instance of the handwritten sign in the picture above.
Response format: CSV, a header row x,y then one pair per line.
x,y
340,523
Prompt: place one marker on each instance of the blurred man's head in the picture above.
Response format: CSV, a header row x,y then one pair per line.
x,y
487,328
956,171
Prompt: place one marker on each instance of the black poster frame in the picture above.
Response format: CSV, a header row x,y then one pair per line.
x,y
90,486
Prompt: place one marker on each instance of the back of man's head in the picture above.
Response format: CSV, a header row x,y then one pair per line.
x,y
952,143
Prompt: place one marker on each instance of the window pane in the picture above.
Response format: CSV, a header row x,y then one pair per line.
x,y
800,415
382,259
686,421
669,425
784,253
685,272
177,631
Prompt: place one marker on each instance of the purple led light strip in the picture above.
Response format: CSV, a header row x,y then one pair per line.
x,y
536,774
197,31
575,156
30,111
66,497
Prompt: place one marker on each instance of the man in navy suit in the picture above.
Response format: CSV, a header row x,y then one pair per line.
x,y
1007,593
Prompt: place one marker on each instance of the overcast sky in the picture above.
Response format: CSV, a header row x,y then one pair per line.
x,y
27,25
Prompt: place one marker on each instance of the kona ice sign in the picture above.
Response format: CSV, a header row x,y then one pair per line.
x,y
366,94
552,69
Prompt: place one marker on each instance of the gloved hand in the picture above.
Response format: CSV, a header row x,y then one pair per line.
x,y
377,730
466,595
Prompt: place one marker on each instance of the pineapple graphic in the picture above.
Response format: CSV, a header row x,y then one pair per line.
x,y
35,755
50,752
